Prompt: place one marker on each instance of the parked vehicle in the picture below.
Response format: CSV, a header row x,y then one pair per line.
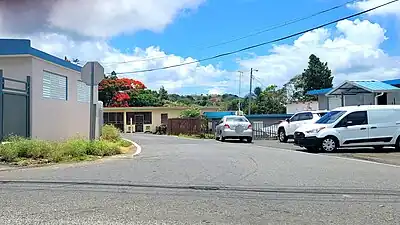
x,y
353,126
234,127
286,128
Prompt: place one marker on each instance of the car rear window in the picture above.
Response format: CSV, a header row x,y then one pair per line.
x,y
236,119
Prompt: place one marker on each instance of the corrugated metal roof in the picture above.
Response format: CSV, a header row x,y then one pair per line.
x,y
392,82
326,90
375,86
319,91
218,115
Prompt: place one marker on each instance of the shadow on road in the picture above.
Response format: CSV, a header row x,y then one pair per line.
x,y
290,146
233,141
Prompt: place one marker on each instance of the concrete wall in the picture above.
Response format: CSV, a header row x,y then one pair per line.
x,y
156,116
322,102
62,118
301,106
393,98
50,119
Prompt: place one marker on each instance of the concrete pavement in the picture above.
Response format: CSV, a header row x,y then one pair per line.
x,y
386,155
185,181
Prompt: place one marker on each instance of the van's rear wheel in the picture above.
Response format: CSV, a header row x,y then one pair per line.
x,y
282,135
329,144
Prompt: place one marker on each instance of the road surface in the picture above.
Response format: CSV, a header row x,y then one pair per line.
x,y
185,181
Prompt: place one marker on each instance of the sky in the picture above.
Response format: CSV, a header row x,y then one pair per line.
x,y
131,35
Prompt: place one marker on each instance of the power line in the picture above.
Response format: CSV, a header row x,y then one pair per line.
x,y
273,27
259,81
261,44
286,23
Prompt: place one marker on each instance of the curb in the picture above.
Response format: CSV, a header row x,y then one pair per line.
x,y
138,147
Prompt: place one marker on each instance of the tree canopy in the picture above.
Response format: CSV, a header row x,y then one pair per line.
x,y
316,76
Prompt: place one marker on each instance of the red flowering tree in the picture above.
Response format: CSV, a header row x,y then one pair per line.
x,y
120,99
115,92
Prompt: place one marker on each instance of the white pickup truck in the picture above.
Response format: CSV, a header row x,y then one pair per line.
x,y
286,128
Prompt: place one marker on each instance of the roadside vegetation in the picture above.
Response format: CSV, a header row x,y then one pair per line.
x,y
21,151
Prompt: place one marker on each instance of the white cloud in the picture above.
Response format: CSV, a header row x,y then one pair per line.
x,y
352,52
92,18
393,9
174,79
216,91
80,29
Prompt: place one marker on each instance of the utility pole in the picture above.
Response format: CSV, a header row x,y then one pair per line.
x,y
251,87
240,86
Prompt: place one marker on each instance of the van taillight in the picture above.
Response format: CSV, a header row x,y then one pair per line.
x,y
227,126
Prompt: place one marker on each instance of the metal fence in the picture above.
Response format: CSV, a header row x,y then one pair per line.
x,y
14,107
263,131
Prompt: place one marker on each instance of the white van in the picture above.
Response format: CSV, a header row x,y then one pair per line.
x,y
354,126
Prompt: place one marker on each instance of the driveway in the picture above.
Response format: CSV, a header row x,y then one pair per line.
x,y
187,181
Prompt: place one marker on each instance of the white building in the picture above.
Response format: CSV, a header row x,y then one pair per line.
x,y
43,96
366,92
295,107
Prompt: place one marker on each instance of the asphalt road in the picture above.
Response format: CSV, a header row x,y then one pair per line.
x,y
185,181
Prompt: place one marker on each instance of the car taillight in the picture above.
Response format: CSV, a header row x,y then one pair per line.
x,y
227,126
249,127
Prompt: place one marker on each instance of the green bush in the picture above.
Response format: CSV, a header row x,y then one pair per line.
x,y
8,153
110,133
192,112
19,149
103,148
75,148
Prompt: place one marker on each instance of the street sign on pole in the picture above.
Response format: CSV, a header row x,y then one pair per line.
x,y
92,74
98,72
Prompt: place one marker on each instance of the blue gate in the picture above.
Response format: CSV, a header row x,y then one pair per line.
x,y
14,107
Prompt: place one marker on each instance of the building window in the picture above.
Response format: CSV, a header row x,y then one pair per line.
x,y
146,117
83,92
54,86
114,118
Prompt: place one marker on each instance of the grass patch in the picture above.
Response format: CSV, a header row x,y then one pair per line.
x,y
20,151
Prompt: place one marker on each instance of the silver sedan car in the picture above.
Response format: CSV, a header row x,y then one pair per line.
x,y
234,127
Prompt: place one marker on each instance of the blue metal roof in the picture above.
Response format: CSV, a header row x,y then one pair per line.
x,y
392,82
260,116
326,90
218,115
319,91
23,47
375,86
